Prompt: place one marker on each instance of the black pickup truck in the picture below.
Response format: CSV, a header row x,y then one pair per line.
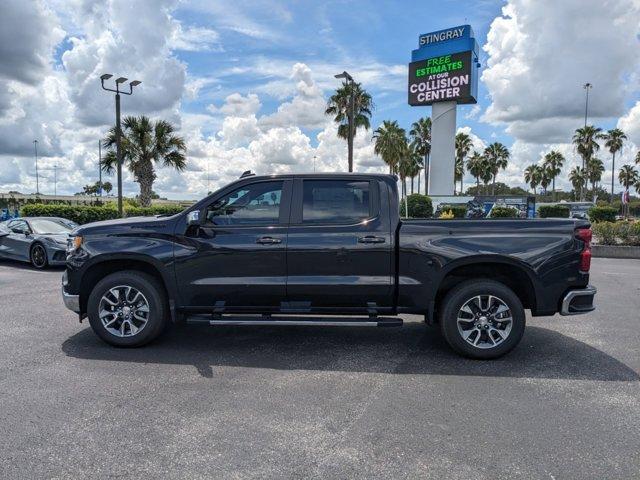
x,y
271,250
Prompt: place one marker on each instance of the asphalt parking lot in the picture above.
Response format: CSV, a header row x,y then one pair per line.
x,y
312,402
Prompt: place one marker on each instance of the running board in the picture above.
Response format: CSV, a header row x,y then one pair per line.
x,y
288,321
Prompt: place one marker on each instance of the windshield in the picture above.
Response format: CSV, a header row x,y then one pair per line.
x,y
44,226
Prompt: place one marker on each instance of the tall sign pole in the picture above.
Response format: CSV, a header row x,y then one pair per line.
x,y
443,73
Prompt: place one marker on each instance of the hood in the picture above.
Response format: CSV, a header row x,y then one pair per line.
x,y
60,238
121,225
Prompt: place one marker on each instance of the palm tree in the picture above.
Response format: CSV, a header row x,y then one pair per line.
x,y
390,143
475,166
497,155
585,140
532,176
545,178
463,145
638,158
595,169
339,104
614,139
553,162
577,177
627,176
420,134
410,165
486,173
144,143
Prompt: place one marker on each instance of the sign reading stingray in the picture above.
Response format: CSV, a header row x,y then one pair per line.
x,y
444,67
442,78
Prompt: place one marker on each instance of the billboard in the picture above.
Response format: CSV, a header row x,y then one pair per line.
x,y
441,79
444,67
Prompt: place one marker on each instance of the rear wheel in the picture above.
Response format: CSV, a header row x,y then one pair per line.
x,y
38,256
482,319
127,309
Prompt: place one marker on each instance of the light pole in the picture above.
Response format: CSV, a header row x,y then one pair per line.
x,y
100,166
117,91
587,86
314,164
35,148
350,114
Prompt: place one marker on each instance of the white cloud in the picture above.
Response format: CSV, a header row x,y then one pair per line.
x,y
195,39
630,123
541,53
307,107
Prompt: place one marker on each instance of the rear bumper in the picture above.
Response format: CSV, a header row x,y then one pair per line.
x,y
578,301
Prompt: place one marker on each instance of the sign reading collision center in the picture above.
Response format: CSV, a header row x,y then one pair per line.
x,y
444,67
440,79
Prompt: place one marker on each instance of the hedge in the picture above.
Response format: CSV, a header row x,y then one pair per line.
x,y
602,214
504,212
420,206
617,233
86,214
554,211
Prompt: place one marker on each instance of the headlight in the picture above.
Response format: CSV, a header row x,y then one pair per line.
x,y
74,243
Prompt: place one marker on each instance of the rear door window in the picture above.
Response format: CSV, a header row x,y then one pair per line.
x,y
336,201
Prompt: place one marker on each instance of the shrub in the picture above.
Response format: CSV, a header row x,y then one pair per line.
x,y
602,214
504,212
86,214
554,211
605,233
459,211
447,215
420,206
618,233
78,213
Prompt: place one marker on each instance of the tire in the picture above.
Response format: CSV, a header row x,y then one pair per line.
x,y
38,256
125,299
488,325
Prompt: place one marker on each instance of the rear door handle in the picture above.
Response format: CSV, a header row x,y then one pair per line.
x,y
268,240
371,239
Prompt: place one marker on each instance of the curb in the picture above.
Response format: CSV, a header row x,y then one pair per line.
x,y
615,251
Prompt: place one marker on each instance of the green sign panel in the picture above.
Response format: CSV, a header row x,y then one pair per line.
x,y
441,79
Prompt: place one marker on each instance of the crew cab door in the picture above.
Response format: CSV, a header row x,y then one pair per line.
x,y
236,258
339,245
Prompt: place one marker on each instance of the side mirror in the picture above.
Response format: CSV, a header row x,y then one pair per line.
x,y
193,218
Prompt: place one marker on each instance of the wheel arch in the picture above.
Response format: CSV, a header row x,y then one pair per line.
x,y
103,266
515,275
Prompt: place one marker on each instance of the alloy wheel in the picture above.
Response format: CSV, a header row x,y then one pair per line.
x,y
123,311
484,321
38,256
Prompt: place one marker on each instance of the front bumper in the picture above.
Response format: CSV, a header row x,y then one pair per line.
x,y
72,302
56,256
576,302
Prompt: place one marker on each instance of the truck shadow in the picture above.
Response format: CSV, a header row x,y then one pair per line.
x,y
412,349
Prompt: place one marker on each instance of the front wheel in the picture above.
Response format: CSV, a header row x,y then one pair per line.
x,y
127,309
482,319
38,256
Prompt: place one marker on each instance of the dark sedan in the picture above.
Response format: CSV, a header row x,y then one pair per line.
x,y
40,241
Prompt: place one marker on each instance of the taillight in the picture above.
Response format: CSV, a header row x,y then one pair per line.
x,y
585,235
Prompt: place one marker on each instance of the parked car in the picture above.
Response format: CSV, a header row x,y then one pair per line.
x,y
41,241
330,244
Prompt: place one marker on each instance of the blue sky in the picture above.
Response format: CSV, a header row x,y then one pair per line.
x,y
348,33
246,82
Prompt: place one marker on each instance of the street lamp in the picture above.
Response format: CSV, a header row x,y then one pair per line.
x,y
117,91
587,86
351,83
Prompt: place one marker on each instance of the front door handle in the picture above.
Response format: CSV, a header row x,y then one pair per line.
x,y
268,240
371,239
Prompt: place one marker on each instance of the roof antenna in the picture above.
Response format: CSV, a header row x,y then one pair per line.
x,y
247,173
